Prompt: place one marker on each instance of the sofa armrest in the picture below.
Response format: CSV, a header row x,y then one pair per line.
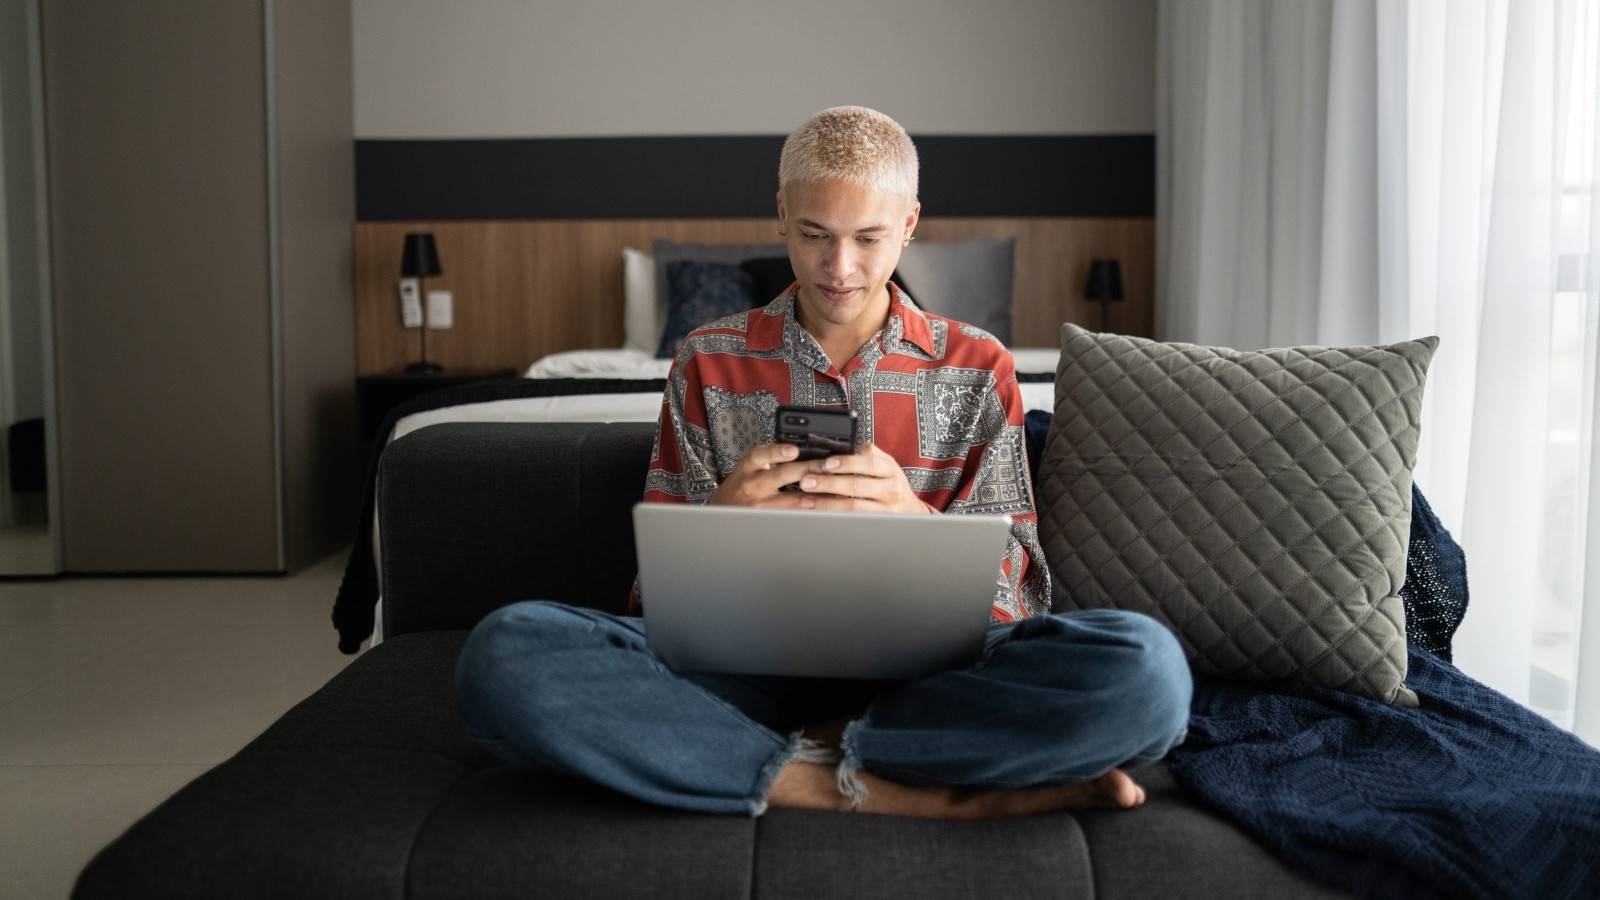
x,y
476,515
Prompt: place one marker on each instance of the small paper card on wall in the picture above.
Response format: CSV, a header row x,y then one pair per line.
x,y
440,313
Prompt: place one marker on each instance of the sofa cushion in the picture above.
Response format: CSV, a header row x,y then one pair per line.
x,y
400,695
508,833
1257,502
306,821
371,787
803,854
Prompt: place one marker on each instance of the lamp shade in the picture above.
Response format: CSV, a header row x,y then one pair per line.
x,y
421,257
1105,280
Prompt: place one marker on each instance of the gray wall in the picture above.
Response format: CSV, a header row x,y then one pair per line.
x,y
477,68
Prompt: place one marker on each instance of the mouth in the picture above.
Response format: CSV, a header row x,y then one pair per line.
x,y
837,295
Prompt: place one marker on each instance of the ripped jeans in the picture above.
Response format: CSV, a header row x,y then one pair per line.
x,y
1055,699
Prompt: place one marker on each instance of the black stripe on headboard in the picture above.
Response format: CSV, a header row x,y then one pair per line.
x,y
736,177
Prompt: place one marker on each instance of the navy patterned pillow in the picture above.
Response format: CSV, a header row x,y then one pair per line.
x,y
699,293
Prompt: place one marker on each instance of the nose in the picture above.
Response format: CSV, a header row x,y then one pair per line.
x,y
840,261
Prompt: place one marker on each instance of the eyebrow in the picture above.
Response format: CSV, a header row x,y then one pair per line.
x,y
820,227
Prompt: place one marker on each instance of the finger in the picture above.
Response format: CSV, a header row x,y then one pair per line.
x,y
859,462
781,501
844,485
767,481
870,459
765,456
830,503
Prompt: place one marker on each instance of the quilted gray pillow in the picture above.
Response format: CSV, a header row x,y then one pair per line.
x,y
1258,503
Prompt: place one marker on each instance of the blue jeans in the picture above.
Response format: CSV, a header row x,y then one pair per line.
x,y
1054,699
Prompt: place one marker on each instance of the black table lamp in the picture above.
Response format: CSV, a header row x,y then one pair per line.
x,y
421,261
1105,285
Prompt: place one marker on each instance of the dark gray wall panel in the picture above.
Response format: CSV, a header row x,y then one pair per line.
x,y
736,177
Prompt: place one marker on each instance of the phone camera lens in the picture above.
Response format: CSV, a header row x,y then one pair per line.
x,y
800,420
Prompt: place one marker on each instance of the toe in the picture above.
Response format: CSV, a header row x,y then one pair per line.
x,y
1120,790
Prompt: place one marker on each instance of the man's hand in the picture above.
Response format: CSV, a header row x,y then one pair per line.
x,y
756,480
868,480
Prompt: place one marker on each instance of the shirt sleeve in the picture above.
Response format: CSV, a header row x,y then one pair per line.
x,y
681,468
996,480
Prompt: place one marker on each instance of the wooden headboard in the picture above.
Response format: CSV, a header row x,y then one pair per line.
x,y
524,289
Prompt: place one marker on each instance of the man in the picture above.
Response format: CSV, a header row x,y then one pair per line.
x,y
1041,722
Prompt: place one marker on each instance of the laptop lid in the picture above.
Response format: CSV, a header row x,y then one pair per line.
x,y
821,594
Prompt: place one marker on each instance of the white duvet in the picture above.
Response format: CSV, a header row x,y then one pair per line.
x,y
600,364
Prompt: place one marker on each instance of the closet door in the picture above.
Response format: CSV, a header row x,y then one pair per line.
x,y
159,219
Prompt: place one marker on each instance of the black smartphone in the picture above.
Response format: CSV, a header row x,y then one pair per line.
x,y
817,431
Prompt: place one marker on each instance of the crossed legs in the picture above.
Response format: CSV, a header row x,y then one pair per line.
x,y
1041,722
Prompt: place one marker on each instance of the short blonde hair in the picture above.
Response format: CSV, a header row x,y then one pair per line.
x,y
854,144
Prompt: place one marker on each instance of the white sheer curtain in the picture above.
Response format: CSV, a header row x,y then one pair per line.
x,y
1358,171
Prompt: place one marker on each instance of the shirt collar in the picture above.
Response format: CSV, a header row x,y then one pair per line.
x,y
906,324
914,327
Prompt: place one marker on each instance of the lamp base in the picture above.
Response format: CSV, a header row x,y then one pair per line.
x,y
423,368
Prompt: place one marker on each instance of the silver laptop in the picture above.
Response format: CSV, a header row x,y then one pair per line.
x,y
821,594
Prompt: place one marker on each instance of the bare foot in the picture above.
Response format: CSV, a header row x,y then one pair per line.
x,y
804,785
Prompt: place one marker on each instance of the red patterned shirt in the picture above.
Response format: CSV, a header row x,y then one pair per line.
x,y
938,395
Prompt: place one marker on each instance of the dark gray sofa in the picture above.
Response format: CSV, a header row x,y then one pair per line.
x,y
371,787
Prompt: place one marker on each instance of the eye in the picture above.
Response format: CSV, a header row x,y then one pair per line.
x,y
811,237
868,242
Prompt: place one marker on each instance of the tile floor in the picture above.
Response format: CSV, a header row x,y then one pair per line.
x,y
116,692
25,549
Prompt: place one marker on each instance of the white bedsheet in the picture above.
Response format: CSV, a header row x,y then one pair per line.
x,y
645,407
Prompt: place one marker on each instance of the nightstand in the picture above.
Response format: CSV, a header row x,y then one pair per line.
x,y
377,394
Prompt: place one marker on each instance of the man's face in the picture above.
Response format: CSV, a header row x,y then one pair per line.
x,y
844,242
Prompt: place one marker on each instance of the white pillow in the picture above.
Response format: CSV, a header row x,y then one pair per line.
x,y
641,323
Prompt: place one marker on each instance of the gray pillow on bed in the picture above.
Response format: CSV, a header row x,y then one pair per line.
x,y
965,280
1258,503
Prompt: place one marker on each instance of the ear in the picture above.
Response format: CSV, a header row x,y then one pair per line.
x,y
912,218
783,217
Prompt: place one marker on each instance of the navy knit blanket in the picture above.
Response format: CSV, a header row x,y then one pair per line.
x,y
1470,795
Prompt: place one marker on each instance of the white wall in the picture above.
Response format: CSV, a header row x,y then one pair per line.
x,y
591,68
